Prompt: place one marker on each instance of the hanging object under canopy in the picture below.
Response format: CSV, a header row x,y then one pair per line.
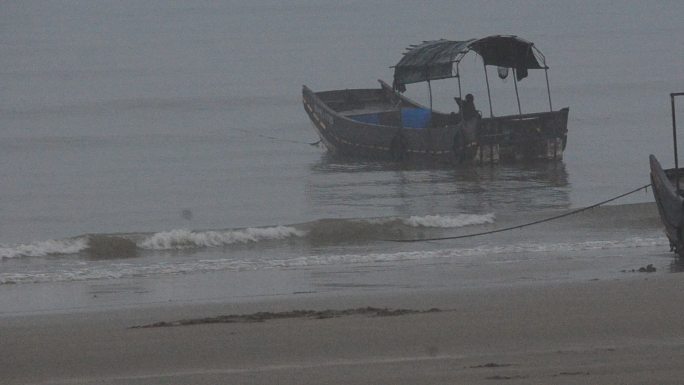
x,y
502,72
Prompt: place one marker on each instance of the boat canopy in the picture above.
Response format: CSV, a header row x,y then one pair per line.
x,y
434,59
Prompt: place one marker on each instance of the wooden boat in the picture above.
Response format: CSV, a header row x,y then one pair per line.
x,y
667,190
382,123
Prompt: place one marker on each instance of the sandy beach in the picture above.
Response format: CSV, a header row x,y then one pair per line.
x,y
625,331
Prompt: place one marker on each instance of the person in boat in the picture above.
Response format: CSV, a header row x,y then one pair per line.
x,y
466,137
467,107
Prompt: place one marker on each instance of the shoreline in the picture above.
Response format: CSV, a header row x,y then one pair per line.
x,y
519,268
601,331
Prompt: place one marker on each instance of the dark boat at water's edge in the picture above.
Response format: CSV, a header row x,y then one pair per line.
x,y
667,190
381,123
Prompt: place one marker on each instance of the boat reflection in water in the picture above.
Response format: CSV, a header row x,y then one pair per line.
x,y
371,188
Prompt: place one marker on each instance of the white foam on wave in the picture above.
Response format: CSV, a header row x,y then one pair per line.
x,y
183,239
449,221
44,248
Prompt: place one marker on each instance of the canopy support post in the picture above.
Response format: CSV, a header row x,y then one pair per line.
x,y
674,136
460,91
430,90
517,96
548,88
489,95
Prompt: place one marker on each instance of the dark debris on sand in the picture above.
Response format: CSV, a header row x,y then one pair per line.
x,y
571,374
648,269
491,365
266,316
498,377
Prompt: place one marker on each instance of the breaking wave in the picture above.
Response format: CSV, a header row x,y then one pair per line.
x,y
449,221
102,246
44,248
183,239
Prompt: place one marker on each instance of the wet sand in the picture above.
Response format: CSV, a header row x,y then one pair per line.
x,y
626,331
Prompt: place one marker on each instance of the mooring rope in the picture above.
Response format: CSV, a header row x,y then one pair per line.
x,y
526,224
277,138
289,140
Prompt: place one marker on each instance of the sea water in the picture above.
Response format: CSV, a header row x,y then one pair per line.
x,y
158,151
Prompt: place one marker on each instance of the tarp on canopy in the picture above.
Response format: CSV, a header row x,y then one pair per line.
x,y
428,61
434,59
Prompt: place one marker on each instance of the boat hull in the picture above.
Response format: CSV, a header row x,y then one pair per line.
x,y
670,202
379,130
